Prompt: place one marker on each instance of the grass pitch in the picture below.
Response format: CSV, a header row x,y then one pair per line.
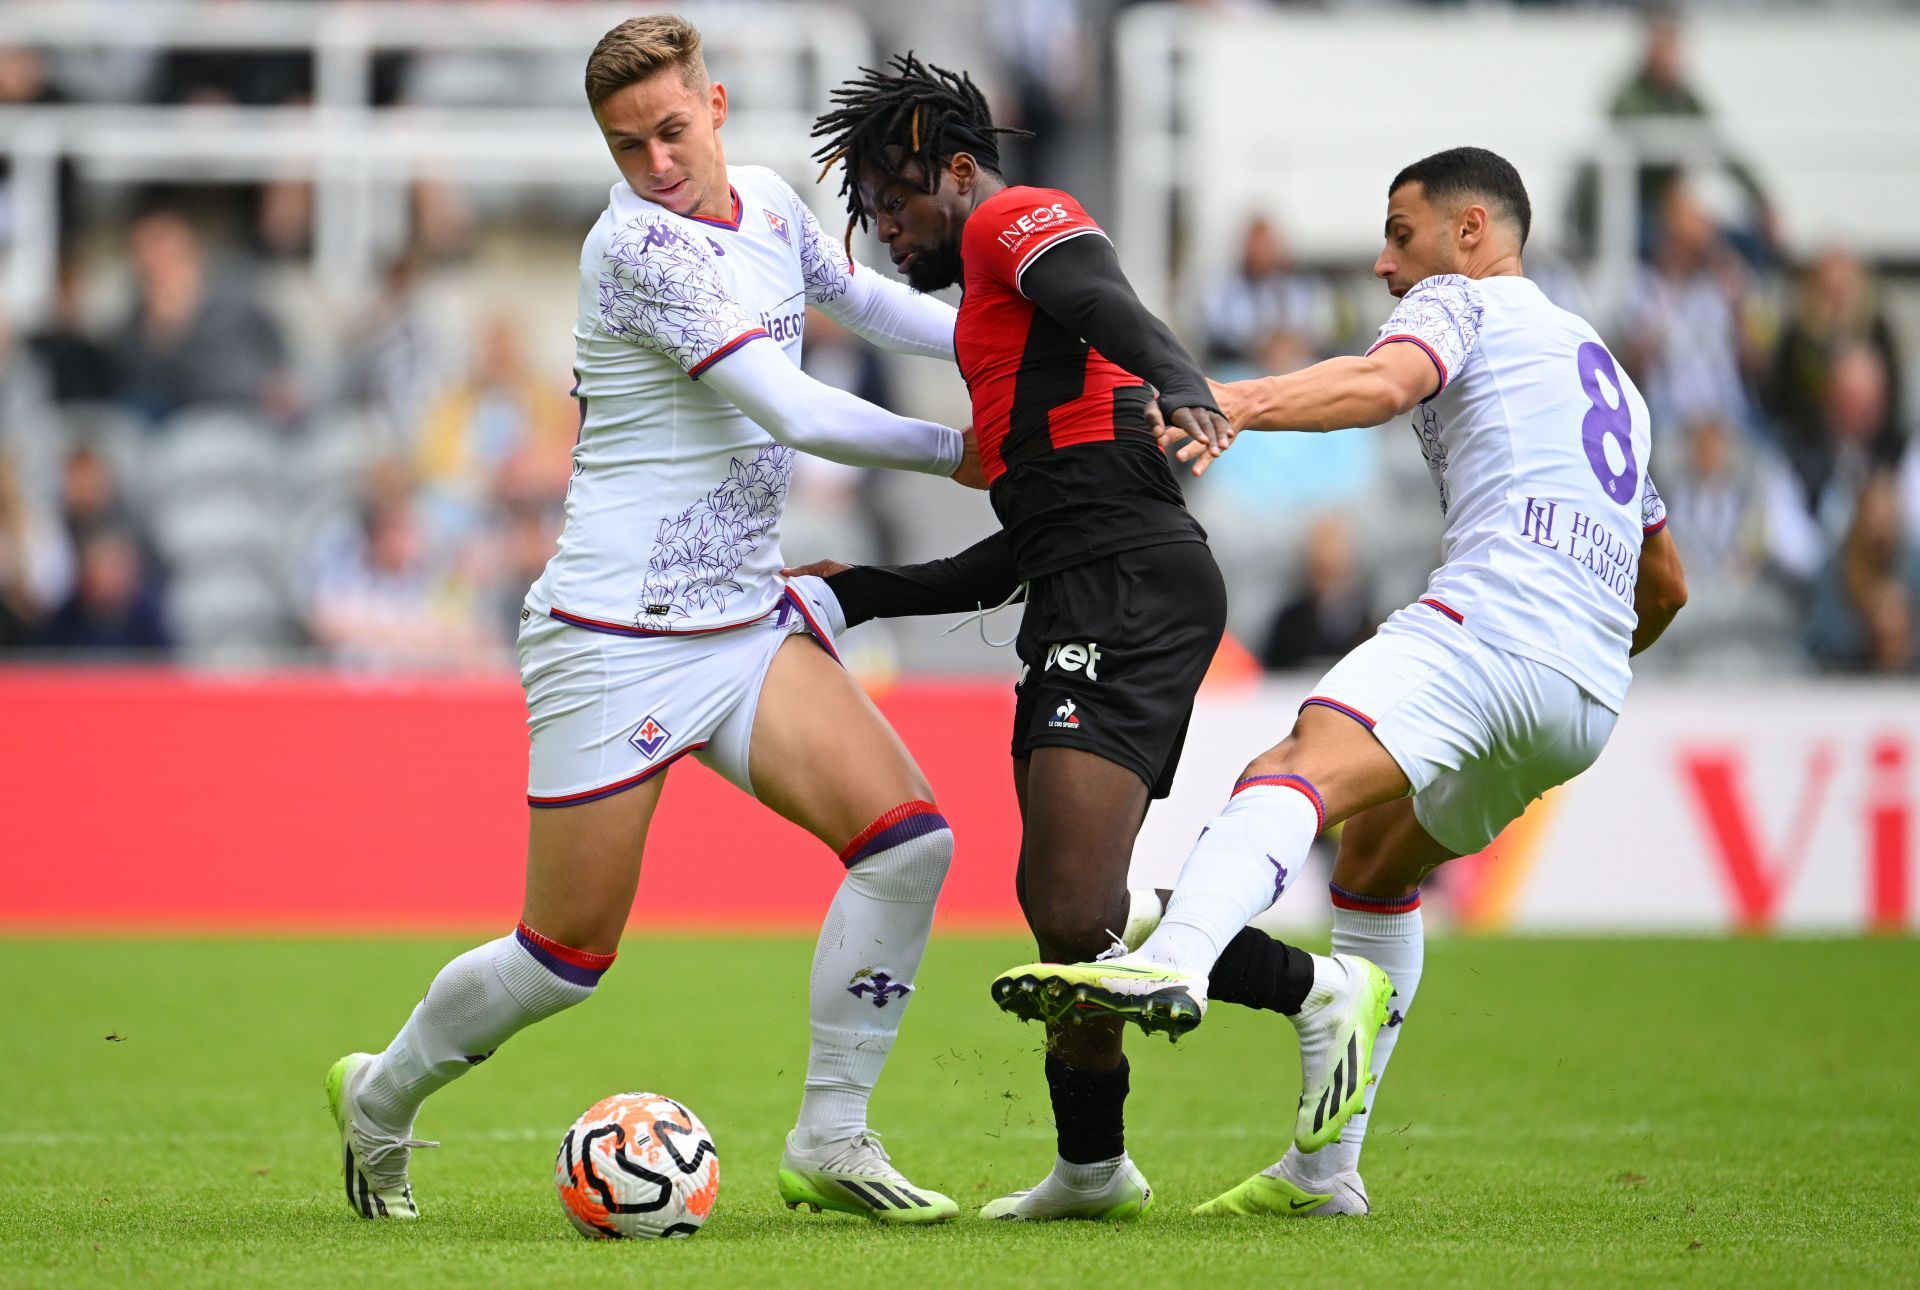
x,y
1611,1112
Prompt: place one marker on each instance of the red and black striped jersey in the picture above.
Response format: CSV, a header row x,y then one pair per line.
x,y
1075,471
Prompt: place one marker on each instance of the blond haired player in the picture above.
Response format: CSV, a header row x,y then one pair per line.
x,y
662,629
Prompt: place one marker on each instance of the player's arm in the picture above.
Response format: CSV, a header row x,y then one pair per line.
x,y
659,288
1336,394
1661,591
829,422
1079,283
873,306
979,576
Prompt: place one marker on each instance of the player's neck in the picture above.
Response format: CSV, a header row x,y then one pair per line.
x,y
985,185
718,204
1499,266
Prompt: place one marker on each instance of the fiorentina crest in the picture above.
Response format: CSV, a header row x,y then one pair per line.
x,y
778,225
650,738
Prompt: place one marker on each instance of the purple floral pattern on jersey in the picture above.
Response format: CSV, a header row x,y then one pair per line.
x,y
1443,313
695,563
660,289
1653,510
823,265
1426,425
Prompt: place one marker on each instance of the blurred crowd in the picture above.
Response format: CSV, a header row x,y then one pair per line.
x,y
178,479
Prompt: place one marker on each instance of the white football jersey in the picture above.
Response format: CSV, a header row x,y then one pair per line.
x,y
1538,443
673,514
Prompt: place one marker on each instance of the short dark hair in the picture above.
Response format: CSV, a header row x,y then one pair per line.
x,y
909,112
1471,172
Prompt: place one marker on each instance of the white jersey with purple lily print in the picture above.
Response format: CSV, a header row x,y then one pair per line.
x,y
1538,443
673,514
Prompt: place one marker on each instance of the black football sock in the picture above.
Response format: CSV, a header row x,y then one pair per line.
x,y
1088,1111
1256,971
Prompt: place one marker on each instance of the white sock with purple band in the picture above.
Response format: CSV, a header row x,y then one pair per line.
x,y
474,1005
865,962
1244,861
1389,932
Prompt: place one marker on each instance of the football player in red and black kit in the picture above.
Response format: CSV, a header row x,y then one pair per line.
x,y
1124,604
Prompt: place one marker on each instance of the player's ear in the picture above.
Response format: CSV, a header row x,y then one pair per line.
x,y
964,172
717,101
1472,226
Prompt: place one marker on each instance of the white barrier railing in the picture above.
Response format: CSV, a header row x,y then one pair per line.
x,y
358,156
1306,117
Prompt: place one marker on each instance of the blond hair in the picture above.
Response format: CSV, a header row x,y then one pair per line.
x,y
638,48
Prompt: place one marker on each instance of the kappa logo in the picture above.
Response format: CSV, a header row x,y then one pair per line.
x,y
650,738
1072,658
1066,717
779,226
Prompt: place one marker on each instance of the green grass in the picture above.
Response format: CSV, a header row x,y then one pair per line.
x,y
1720,1113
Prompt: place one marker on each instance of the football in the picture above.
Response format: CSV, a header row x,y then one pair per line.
x,y
637,1165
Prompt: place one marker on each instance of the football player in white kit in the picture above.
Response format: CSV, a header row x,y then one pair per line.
x,y
661,629
1502,681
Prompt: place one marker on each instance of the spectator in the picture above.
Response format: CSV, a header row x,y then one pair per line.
x,y
396,361
501,421
80,368
196,337
1264,295
1333,609
90,498
1683,321
115,606
1817,386
381,602
1863,610
1656,96
36,564
23,83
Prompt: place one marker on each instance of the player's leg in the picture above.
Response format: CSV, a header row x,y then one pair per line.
x,y
822,756
1081,813
1384,855
583,863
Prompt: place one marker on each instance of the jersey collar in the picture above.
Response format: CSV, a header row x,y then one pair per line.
x,y
731,225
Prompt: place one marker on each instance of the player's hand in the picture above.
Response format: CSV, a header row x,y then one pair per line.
x,y
818,569
970,473
1207,434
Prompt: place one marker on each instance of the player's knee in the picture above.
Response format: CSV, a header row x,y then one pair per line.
x,y
1072,931
1281,759
903,856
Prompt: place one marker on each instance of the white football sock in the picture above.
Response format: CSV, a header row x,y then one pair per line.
x,y
1244,861
864,965
473,1006
1392,935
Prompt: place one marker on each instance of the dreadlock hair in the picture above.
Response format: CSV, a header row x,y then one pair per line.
x,y
915,113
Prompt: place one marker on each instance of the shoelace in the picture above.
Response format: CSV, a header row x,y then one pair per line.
x,y
374,1150
981,615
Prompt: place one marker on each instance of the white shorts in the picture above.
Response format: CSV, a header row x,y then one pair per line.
x,y
608,710
1479,732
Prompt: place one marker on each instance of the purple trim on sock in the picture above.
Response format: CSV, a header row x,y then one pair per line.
x,y
1299,784
916,825
576,973
1354,901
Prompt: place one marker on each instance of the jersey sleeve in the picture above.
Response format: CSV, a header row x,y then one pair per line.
x,y
660,289
1653,511
1442,316
824,267
1010,231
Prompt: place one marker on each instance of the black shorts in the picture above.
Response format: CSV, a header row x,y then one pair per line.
x,y
1112,653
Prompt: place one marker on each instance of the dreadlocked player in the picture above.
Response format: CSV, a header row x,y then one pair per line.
x,y
1125,605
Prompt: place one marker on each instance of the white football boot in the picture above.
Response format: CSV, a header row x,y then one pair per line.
x,y
1124,1194
1343,1013
856,1177
374,1164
